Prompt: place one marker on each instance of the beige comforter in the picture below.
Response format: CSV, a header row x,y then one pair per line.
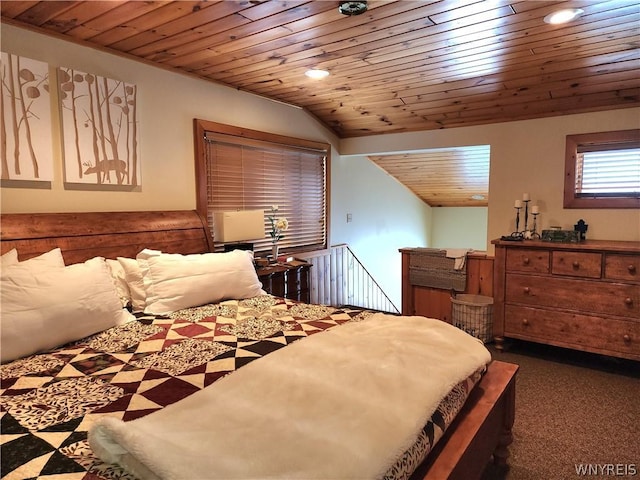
x,y
380,379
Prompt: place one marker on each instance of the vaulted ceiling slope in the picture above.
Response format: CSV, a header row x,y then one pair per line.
x,y
401,66
443,177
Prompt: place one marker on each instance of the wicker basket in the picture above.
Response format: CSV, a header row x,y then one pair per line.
x,y
474,315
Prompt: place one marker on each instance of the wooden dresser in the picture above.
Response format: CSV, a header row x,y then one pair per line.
x,y
286,280
584,296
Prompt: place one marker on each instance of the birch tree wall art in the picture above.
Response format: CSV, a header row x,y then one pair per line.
x,y
100,130
25,104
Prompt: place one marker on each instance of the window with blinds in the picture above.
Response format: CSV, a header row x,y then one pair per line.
x,y
602,170
253,174
608,171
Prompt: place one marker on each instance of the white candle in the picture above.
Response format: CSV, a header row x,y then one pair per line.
x,y
525,197
535,209
518,204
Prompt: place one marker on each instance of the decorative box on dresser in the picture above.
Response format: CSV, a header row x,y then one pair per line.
x,y
287,280
583,296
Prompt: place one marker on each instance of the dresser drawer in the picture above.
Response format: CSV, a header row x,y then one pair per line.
x,y
576,264
574,294
622,267
527,260
587,332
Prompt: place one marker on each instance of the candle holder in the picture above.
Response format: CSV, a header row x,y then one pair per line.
x,y
526,217
517,233
534,233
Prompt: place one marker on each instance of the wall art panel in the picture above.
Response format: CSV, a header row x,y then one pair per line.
x,y
100,132
25,104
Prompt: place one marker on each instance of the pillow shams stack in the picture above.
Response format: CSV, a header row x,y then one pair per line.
x,y
45,304
119,278
134,280
173,281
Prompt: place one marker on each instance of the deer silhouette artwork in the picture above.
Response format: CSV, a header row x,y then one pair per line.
x,y
105,166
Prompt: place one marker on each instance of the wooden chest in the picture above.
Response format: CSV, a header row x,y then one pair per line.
x,y
584,296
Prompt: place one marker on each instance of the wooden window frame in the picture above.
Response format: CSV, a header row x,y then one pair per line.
x,y
200,129
571,152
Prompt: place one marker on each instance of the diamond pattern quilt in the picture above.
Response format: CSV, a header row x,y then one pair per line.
x,y
48,401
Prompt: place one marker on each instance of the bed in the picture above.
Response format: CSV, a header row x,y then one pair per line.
x,y
141,369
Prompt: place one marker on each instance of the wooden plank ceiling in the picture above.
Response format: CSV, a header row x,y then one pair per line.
x,y
443,177
401,66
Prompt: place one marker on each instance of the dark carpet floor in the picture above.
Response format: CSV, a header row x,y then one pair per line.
x,y
572,409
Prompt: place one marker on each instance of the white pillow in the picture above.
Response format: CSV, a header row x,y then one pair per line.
x,y
52,258
9,258
133,279
56,306
119,280
174,281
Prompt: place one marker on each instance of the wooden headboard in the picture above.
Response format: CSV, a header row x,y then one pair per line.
x,y
81,236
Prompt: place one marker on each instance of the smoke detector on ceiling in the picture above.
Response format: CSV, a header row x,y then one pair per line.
x,y
352,8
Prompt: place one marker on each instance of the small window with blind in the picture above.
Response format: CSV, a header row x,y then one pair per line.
x,y
243,169
602,170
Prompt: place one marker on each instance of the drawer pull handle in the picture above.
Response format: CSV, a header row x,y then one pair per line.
x,y
525,322
631,268
527,290
576,264
626,338
628,301
526,260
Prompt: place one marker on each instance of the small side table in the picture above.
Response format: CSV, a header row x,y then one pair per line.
x,y
287,280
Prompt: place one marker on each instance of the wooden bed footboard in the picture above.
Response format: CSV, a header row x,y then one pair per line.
x,y
481,430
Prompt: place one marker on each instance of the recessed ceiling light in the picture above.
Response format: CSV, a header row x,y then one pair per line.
x,y
563,16
477,197
316,73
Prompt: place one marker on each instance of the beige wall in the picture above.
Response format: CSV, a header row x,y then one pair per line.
x,y
526,156
459,227
384,217
167,102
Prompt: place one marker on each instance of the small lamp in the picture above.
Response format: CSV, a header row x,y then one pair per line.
x,y
235,228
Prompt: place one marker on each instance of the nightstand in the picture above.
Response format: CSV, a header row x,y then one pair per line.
x,y
287,280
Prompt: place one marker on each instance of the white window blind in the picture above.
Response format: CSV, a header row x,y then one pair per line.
x,y
247,174
608,170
